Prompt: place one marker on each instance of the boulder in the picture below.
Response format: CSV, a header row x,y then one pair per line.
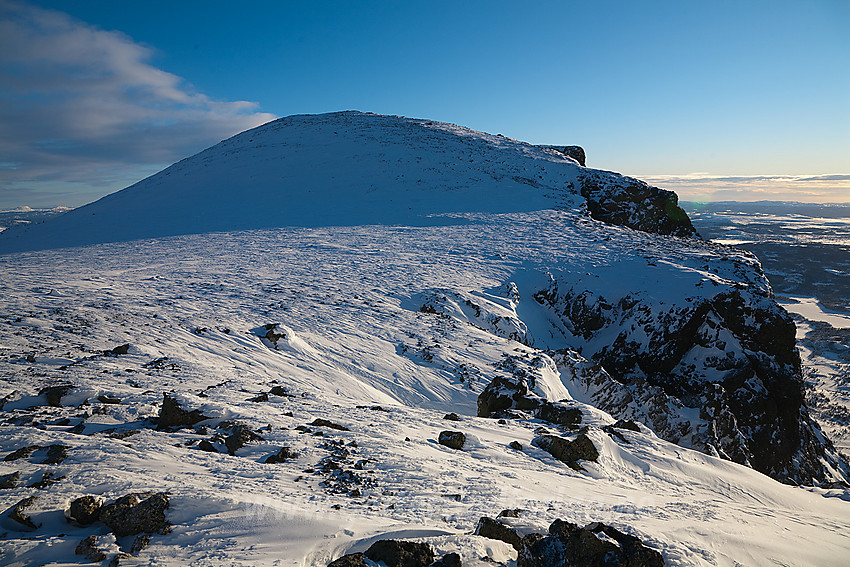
x,y
319,422
84,510
18,514
451,417
581,448
452,439
239,436
9,480
55,454
395,553
448,560
135,513
351,560
172,415
281,456
54,394
494,529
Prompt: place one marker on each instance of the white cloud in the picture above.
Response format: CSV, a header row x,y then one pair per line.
x,y
827,188
84,107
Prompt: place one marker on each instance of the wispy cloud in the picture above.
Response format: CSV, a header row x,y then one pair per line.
x,y
83,111
827,188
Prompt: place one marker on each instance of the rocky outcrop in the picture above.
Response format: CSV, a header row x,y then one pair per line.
x,y
139,512
172,415
84,510
728,354
625,201
503,396
595,545
579,449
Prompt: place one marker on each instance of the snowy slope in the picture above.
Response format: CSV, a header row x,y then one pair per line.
x,y
348,297
382,306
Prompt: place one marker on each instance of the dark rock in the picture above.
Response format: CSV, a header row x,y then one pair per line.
x,y
172,415
494,529
516,445
278,391
281,456
55,454
262,397
136,513
205,445
567,545
582,448
240,435
448,560
141,542
558,414
626,201
54,393
452,439
575,152
319,422
400,553
120,349
18,513
9,480
451,417
351,560
510,513
105,399
626,424
22,453
84,510
47,479
88,549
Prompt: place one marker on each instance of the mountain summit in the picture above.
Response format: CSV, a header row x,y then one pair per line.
x,y
348,169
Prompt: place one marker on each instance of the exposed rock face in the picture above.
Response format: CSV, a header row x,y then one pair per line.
x,y
54,394
596,545
575,152
731,355
625,201
140,512
494,529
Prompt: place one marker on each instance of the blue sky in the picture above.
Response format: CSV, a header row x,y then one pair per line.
x,y
716,100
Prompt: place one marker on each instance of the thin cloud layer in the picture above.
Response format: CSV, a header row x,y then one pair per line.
x,y
830,188
83,111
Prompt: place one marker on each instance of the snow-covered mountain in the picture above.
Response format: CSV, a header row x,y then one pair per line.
x,y
279,341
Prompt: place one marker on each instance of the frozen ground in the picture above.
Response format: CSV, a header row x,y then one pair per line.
x,y
190,307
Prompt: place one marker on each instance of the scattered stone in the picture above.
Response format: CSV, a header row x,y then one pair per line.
x,y
351,560
281,456
568,545
451,417
22,453
262,397
516,445
582,448
106,399
452,439
140,543
88,549
136,513
400,553
9,480
205,445
448,560
319,422
55,454
54,394
84,510
47,479
494,529
18,513
172,415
